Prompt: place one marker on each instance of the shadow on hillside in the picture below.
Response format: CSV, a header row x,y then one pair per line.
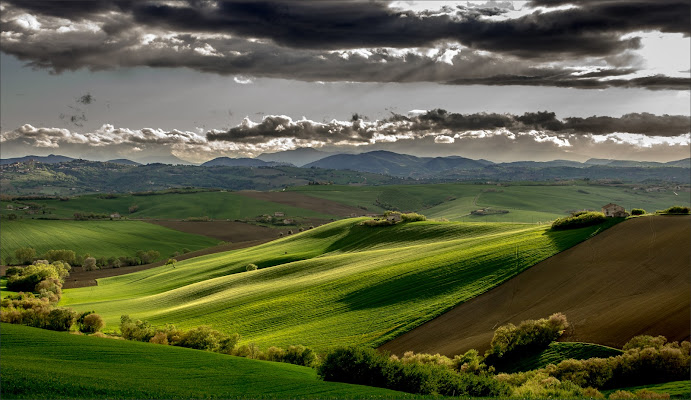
x,y
441,281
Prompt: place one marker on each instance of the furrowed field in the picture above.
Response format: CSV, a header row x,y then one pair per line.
x,y
524,203
338,284
98,368
98,238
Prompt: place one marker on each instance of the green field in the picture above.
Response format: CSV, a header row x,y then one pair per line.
x,y
41,364
524,203
216,205
676,390
338,284
97,238
559,351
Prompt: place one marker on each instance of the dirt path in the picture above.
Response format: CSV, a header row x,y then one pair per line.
x,y
79,278
303,201
632,279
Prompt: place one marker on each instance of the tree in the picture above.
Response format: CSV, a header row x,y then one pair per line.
x,y
171,262
92,323
25,255
251,267
637,211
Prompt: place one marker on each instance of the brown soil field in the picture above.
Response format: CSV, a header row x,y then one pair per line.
x,y
303,201
632,279
81,278
228,231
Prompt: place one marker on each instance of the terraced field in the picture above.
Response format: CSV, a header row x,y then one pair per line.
x,y
632,279
98,238
338,284
98,368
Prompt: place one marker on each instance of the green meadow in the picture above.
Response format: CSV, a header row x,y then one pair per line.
x,y
524,203
98,238
676,390
43,364
216,205
339,284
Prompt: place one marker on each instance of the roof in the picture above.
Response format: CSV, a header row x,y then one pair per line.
x,y
611,205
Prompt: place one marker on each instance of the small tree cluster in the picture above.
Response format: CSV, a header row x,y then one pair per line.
x,y
511,341
27,309
676,210
251,267
24,255
412,217
579,220
637,211
67,256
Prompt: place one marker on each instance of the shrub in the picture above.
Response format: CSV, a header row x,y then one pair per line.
x,y
148,257
67,256
580,220
92,323
159,338
25,255
299,355
412,217
637,211
643,341
251,267
137,330
133,208
60,319
171,262
26,279
201,338
676,210
89,264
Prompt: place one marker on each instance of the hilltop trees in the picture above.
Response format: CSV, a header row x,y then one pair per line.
x,y
24,255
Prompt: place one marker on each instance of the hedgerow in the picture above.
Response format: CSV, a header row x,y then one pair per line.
x,y
578,220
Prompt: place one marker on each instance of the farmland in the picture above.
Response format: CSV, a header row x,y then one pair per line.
x,y
215,204
341,283
104,369
97,238
525,203
558,351
630,280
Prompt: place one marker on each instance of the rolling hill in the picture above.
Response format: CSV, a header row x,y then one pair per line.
x,y
338,284
632,279
97,238
41,364
238,162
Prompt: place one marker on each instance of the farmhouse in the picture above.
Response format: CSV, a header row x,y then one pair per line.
x,y
279,214
614,210
115,216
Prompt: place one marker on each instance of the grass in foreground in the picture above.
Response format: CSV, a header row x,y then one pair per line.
x,y
559,351
43,364
98,238
339,284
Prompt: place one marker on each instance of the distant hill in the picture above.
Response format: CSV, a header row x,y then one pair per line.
x,y
542,164
297,157
402,165
50,159
239,162
123,161
685,163
169,159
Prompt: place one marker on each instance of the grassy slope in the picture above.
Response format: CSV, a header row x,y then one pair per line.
x,y
335,285
43,364
524,203
217,205
559,351
676,390
98,238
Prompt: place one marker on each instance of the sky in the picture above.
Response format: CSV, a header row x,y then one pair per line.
x,y
504,81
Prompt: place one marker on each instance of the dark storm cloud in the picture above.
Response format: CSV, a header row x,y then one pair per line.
x,y
310,40
591,29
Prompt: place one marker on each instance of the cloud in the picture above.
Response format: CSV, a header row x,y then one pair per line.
x,y
433,130
347,41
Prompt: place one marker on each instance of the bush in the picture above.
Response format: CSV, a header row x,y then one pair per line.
x,y
89,264
579,220
251,267
60,319
637,211
137,330
412,217
148,257
676,210
24,255
92,323
26,279
366,366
